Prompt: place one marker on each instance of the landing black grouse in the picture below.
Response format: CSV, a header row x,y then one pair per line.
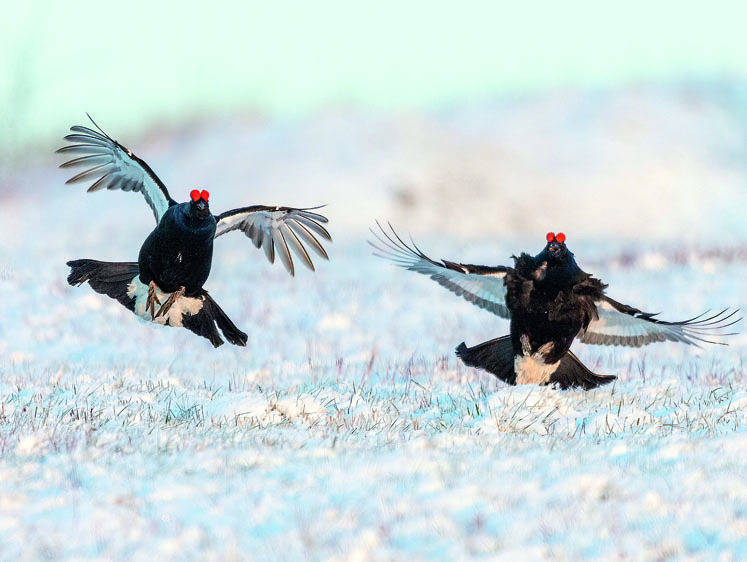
x,y
550,301
165,285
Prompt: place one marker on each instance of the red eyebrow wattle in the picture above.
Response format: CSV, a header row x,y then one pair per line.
x,y
194,195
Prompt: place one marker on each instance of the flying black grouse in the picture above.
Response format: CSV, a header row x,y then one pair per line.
x,y
550,301
165,285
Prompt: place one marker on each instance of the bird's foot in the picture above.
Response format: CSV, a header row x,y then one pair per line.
x,y
153,300
540,272
545,349
526,347
165,307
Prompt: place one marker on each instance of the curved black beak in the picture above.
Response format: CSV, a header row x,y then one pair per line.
x,y
553,246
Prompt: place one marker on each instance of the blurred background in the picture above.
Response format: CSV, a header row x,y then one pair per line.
x,y
470,118
477,126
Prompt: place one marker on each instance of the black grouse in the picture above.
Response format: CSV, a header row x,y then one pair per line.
x,y
550,301
165,285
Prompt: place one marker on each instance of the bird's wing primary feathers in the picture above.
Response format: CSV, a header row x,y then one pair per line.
x,y
481,285
620,324
279,230
113,166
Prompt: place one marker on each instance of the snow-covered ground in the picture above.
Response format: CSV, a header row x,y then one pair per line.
x,y
346,429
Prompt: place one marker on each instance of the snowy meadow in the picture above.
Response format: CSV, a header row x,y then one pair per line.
x,y
346,429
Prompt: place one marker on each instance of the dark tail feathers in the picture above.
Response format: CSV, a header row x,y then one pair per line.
x,y
497,357
203,324
572,372
112,279
108,278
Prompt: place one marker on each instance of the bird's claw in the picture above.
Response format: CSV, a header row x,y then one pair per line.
x,y
152,301
540,273
526,347
166,306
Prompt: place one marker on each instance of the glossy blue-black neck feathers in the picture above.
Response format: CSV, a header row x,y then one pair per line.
x,y
562,270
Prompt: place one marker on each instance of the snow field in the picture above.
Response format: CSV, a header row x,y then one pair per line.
x,y
363,439
432,463
346,429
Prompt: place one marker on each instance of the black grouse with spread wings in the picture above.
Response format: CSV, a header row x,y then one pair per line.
x,y
550,301
165,285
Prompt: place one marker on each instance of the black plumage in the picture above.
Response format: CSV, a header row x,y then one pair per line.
x,y
550,301
179,251
166,285
108,278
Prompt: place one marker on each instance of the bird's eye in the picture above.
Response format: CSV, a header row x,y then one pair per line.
x,y
205,195
560,237
194,195
550,236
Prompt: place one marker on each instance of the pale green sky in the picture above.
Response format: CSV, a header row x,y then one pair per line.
x,y
130,63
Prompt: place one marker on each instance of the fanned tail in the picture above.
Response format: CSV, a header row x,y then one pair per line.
x,y
203,323
572,373
199,313
108,278
495,356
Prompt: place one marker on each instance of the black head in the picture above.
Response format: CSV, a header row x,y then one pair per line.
x,y
199,207
556,249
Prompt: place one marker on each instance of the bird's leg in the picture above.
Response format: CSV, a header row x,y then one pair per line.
x,y
169,302
540,272
153,300
526,347
545,349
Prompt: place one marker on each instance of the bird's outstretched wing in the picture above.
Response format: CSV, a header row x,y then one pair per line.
x,y
113,166
620,324
481,285
279,230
